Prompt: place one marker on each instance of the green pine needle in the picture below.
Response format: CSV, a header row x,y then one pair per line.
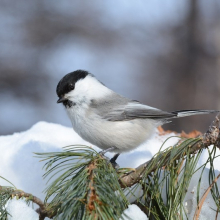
x,y
87,187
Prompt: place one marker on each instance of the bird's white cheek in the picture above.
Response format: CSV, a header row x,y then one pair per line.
x,y
76,98
72,99
70,96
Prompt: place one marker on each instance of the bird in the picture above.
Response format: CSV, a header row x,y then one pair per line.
x,y
107,119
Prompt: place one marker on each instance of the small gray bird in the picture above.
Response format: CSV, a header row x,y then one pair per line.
x,y
107,119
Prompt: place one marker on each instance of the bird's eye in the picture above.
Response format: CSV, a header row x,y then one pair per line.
x,y
71,86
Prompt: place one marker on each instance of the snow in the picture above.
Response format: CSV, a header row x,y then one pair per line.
x,y
20,211
19,166
133,212
190,203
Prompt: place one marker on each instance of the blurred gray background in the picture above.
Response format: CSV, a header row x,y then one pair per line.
x,y
163,53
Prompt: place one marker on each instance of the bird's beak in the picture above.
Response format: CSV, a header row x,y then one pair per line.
x,y
62,99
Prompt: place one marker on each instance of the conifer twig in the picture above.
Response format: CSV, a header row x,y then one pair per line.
x,y
43,211
212,136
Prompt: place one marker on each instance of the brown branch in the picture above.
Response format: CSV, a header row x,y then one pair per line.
x,y
43,210
212,136
22,194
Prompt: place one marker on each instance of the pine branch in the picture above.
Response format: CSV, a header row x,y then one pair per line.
x,y
88,182
43,210
86,188
212,136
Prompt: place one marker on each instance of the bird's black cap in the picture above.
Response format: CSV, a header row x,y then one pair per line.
x,y
67,83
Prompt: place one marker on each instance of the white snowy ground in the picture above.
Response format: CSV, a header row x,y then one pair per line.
x,y
18,165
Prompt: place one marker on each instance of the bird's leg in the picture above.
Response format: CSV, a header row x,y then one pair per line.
x,y
114,158
113,161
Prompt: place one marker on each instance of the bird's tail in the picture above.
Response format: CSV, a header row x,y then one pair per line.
x,y
184,113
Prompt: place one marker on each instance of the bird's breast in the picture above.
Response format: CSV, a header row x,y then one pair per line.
x,y
125,135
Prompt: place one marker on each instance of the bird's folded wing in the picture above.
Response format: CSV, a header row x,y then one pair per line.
x,y
135,110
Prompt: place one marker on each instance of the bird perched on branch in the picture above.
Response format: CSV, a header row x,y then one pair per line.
x,y
107,119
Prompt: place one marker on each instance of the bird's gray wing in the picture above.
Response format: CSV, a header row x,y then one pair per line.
x,y
118,108
136,110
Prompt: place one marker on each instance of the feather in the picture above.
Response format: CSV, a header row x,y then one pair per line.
x,y
119,108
